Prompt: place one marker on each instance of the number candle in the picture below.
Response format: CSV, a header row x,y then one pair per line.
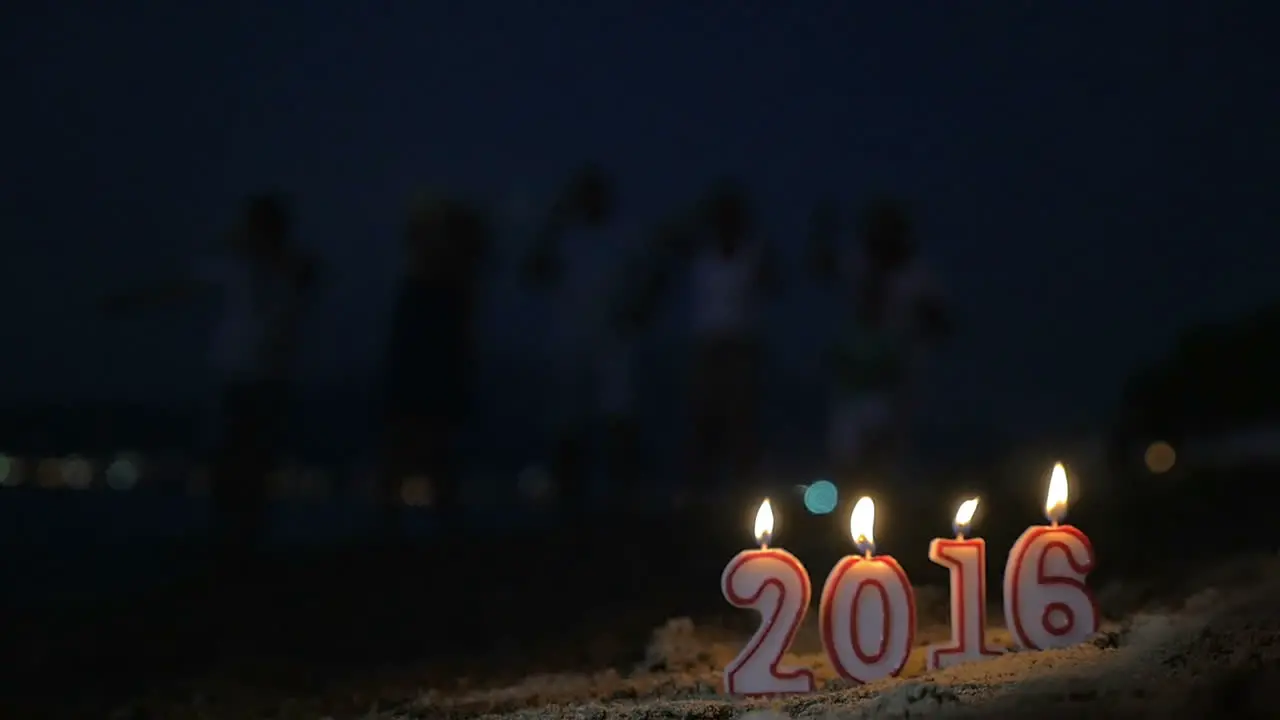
x,y
868,612
773,583
966,559
1046,601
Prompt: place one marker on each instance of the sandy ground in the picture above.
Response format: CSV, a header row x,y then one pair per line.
x,y
1211,652
1207,645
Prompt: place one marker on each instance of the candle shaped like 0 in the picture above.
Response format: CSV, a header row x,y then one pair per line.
x,y
1046,602
868,612
773,583
966,559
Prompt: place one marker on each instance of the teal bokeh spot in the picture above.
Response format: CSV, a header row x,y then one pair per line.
x,y
821,497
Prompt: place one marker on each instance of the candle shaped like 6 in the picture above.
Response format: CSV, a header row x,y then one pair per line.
x,y
868,610
966,558
1046,602
773,583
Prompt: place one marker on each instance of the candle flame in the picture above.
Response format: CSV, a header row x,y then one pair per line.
x,y
1055,502
862,524
764,523
964,515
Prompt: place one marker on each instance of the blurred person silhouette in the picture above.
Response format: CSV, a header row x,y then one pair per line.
x,y
732,270
430,353
892,315
634,290
605,286
262,280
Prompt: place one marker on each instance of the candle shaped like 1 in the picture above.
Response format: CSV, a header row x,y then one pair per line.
x,y
1046,602
966,558
868,612
773,583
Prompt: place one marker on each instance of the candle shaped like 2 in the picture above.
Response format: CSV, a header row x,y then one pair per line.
x,y
773,583
1046,602
966,559
868,612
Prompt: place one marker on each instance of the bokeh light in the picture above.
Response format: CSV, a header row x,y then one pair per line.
x,y
821,497
49,473
280,483
1160,457
77,473
122,473
293,479
534,482
416,492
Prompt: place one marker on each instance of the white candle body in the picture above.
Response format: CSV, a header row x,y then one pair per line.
x,y
868,618
773,583
1046,602
966,559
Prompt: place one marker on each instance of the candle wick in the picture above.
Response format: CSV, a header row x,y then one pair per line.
x,y
959,536
868,555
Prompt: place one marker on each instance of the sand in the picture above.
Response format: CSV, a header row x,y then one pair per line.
x,y
1207,645
1215,651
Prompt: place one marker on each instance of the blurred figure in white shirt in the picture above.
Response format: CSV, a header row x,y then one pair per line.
x,y
893,315
605,285
732,271
262,281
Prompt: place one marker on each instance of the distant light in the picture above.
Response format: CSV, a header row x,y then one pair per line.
x,y
534,482
821,497
122,473
416,492
293,481
49,473
1160,457
279,483
77,473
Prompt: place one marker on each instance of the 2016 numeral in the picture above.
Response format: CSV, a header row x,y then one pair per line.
x,y
776,585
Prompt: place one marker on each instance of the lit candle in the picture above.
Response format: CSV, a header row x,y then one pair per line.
x,y
868,612
966,559
773,583
1046,601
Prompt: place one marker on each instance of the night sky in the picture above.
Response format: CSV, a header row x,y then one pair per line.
x,y
1089,176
